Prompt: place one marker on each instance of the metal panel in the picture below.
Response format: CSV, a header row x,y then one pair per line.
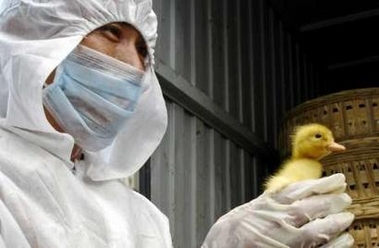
x,y
233,62
202,44
298,86
223,71
273,89
251,65
217,57
246,66
282,82
163,48
260,12
179,90
290,72
205,194
222,182
304,79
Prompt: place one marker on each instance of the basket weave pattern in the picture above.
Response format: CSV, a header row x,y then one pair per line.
x,y
353,116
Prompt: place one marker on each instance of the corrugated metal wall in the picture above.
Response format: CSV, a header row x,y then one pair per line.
x,y
230,71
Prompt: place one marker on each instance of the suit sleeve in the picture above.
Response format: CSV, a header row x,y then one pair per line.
x,y
11,235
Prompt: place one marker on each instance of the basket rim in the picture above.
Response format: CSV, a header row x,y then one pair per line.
x,y
332,98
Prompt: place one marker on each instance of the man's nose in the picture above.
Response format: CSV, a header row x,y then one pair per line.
x,y
131,56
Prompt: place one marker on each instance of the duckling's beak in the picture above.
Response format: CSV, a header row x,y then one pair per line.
x,y
335,147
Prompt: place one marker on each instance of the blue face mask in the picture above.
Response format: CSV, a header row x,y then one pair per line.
x,y
92,97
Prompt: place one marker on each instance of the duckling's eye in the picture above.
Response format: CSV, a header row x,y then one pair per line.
x,y
318,136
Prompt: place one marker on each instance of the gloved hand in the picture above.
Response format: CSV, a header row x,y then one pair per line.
x,y
304,214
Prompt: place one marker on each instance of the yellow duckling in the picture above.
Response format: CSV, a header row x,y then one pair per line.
x,y
310,143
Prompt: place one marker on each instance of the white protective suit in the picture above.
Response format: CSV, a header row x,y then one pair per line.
x,y
43,202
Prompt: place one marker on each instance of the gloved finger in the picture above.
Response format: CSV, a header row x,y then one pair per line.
x,y
303,189
321,231
343,241
317,206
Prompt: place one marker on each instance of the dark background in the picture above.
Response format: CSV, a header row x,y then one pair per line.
x,y
340,36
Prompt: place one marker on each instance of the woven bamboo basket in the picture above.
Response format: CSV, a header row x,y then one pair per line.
x,y
353,116
360,165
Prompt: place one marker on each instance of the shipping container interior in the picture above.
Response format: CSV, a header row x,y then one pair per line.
x,y
230,71
339,36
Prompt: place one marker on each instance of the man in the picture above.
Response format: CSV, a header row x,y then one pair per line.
x,y
82,108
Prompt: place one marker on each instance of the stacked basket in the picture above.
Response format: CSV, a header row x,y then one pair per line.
x,y
353,116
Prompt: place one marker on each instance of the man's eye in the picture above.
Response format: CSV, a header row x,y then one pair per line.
x,y
142,50
112,32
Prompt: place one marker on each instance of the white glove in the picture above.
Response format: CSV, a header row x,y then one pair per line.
x,y
304,214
